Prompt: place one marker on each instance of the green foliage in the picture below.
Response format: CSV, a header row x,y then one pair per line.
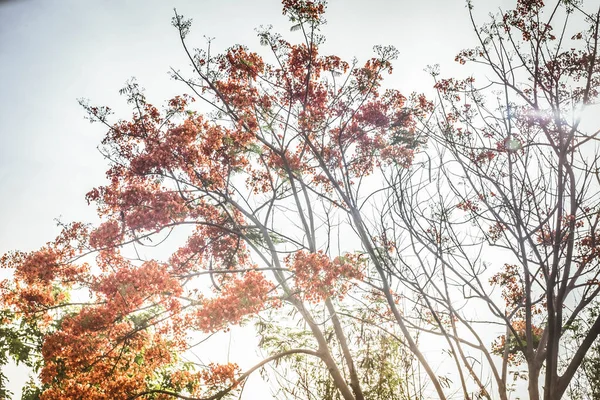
x,y
586,383
590,366
20,341
31,391
386,369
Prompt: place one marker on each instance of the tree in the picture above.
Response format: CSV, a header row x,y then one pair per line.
x,y
510,198
337,216
297,139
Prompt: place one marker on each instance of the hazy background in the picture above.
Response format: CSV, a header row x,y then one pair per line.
x,y
53,52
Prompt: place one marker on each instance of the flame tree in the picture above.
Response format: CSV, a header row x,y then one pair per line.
x,y
310,194
263,184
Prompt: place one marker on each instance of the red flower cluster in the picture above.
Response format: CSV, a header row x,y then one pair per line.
x,y
319,277
238,297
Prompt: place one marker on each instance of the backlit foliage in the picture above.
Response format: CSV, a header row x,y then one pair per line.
x,y
299,133
367,234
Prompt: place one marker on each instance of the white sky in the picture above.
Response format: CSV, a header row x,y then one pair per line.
x,y
53,52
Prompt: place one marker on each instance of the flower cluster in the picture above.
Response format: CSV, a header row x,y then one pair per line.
x,y
511,283
516,344
239,297
318,277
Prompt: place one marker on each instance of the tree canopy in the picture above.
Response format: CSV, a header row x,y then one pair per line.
x,y
353,226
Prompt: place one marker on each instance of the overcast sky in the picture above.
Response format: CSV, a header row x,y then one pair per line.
x,y
53,52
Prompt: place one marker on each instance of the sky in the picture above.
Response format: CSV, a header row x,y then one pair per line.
x,y
53,52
